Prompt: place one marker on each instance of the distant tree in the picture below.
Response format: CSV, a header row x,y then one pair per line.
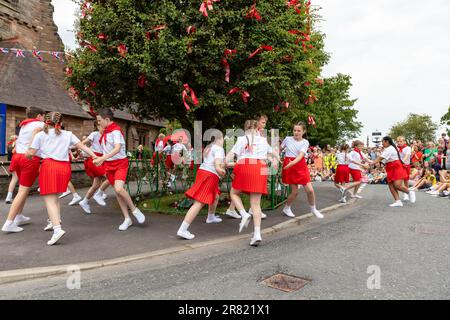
x,y
415,127
445,120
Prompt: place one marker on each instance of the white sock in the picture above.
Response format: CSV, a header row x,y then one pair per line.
x,y
76,195
313,208
243,212
211,215
257,231
57,229
9,196
184,227
8,223
85,200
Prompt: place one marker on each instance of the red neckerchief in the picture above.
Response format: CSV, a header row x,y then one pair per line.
x,y
401,147
110,128
359,152
27,121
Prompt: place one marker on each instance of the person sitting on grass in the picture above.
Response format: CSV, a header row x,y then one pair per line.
x,y
441,186
426,182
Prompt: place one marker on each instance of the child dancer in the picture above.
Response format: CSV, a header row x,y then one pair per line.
x,y
405,156
27,170
342,176
206,187
95,172
357,164
116,165
295,171
396,173
52,145
250,175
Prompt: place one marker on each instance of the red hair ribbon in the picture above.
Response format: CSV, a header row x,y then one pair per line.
x,y
228,52
259,50
253,13
311,121
207,5
188,90
123,50
244,94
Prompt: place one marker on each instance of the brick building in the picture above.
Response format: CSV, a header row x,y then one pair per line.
x,y
29,25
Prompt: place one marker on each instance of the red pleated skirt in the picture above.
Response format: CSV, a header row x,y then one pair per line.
x,y
54,176
342,174
298,174
92,170
408,170
206,187
356,175
116,170
27,170
395,171
250,176
169,163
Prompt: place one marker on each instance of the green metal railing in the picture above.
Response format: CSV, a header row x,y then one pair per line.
x,y
152,182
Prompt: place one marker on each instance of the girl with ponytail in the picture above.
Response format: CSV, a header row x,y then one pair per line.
x,y
396,173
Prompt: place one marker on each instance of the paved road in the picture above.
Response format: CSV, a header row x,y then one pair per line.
x,y
95,237
334,254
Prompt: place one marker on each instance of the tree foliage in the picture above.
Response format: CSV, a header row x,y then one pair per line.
x,y
445,120
138,54
415,127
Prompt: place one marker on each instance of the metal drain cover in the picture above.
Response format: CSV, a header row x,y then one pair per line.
x,y
432,229
286,282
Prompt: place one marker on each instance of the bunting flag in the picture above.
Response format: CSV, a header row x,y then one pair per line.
x,y
4,50
21,53
37,55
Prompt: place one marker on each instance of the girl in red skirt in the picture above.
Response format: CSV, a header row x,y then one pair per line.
x,y
358,163
116,166
405,155
51,145
250,175
95,172
342,176
27,170
295,170
205,190
396,173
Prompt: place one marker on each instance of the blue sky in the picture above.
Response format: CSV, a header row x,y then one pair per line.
x,y
397,52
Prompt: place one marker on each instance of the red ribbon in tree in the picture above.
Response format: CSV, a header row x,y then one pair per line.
x,y
244,94
259,50
284,104
320,81
189,91
295,4
142,81
311,121
253,13
74,93
155,30
88,45
69,72
123,50
226,54
191,29
86,9
311,98
102,37
207,5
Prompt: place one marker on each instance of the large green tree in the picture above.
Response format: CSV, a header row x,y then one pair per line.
x,y
445,120
415,127
138,54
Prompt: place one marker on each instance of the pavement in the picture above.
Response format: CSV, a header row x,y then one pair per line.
x,y
408,246
96,237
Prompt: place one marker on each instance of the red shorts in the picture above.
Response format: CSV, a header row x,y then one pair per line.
x,y
298,174
92,170
116,170
54,176
356,175
250,176
408,171
206,187
395,171
27,170
342,174
169,162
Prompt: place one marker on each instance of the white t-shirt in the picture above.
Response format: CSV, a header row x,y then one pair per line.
x,y
209,159
354,156
94,138
112,139
293,147
390,154
259,149
178,147
160,146
342,158
25,136
53,146
168,150
406,151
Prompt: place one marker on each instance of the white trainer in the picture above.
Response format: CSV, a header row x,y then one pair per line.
x,y
139,215
75,200
104,196
65,194
12,228
55,238
412,197
288,211
255,241
214,219
233,214
317,213
405,197
396,204
9,200
263,215
357,196
244,222
49,226
84,204
21,220
125,225
185,235
343,199
99,199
